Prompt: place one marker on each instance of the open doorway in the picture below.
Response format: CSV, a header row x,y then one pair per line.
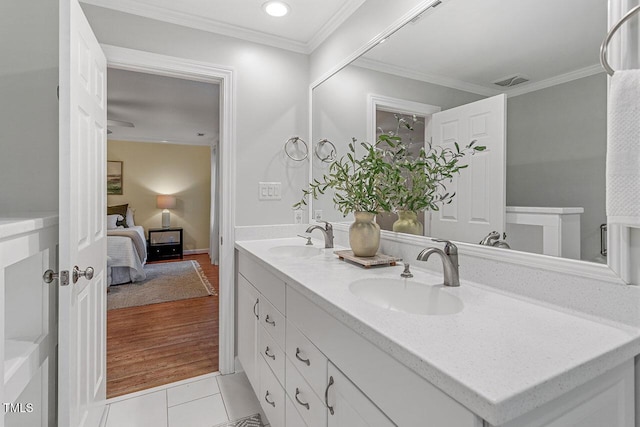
x,y
162,320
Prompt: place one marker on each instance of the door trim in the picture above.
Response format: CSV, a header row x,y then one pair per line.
x,y
147,62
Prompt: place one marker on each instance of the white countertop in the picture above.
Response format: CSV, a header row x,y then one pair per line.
x,y
501,356
18,223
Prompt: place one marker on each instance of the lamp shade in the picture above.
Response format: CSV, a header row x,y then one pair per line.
x,y
165,202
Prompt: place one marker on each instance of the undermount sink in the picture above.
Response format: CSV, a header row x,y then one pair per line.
x,y
295,251
406,296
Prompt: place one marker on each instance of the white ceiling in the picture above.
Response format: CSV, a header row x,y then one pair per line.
x,y
469,43
162,109
302,30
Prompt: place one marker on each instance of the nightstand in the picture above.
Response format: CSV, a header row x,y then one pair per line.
x,y
164,243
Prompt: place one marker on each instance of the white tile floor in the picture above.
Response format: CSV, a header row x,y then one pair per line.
x,y
203,401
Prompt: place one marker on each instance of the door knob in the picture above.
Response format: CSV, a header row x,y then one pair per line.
x,y
49,276
77,273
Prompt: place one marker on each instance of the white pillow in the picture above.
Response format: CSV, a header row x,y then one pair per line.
x,y
130,212
112,221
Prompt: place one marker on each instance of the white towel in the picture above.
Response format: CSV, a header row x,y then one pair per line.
x,y
623,149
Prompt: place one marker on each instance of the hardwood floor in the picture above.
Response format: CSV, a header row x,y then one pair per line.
x,y
157,344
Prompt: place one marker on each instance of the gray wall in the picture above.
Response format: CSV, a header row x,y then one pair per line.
x,y
271,102
556,146
29,107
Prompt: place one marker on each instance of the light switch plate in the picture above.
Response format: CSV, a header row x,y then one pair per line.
x,y
269,191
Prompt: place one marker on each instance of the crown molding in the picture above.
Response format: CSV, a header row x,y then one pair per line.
x,y
199,23
477,89
553,81
139,8
425,77
336,20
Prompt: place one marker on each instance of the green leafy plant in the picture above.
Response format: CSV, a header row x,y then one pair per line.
x,y
389,177
357,181
418,182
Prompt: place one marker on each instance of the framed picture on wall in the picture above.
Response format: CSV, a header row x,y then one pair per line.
x,y
114,177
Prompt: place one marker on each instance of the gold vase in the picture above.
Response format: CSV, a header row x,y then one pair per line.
x,y
364,235
408,223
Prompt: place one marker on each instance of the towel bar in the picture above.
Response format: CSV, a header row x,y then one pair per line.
x,y
605,43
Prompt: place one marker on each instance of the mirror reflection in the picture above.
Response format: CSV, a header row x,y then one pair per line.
x,y
523,79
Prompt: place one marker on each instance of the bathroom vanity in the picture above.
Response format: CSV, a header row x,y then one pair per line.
x,y
317,354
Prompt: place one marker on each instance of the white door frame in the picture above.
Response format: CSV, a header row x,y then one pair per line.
x,y
402,106
396,105
146,62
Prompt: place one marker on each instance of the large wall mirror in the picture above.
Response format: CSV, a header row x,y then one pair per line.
x,y
537,64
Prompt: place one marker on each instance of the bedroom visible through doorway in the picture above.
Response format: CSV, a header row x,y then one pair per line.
x,y
163,306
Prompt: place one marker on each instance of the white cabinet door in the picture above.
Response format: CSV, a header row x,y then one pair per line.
x,y
348,406
480,202
248,301
82,200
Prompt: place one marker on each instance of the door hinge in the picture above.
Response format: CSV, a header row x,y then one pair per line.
x,y
49,276
220,240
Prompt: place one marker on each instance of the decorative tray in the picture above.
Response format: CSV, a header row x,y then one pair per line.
x,y
366,262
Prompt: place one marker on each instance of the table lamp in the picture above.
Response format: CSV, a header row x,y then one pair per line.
x,y
166,202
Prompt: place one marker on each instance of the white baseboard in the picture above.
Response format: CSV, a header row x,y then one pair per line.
x,y
195,251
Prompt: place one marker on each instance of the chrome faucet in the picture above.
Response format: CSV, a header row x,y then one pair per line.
x,y
327,231
449,256
493,239
490,238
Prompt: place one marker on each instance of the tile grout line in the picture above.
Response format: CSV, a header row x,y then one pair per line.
x,y
166,399
224,404
146,391
197,398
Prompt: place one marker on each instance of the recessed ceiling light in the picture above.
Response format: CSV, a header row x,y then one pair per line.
x,y
276,8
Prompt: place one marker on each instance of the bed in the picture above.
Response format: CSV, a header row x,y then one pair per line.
x,y
126,251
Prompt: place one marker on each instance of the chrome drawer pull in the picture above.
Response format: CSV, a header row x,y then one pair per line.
x,y
271,322
300,358
266,398
266,351
326,395
306,405
255,313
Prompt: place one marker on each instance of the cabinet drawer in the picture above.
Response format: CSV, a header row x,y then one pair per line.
x,y
406,398
266,282
272,353
272,321
308,404
271,395
306,357
166,250
292,417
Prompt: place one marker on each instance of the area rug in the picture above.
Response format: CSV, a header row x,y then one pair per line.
x,y
170,281
252,421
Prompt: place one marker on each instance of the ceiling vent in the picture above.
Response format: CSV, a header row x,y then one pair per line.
x,y
512,80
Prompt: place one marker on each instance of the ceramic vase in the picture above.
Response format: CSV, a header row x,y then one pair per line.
x,y
408,223
364,235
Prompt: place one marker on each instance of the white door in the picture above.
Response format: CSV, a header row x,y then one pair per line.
x,y
348,406
479,206
82,198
